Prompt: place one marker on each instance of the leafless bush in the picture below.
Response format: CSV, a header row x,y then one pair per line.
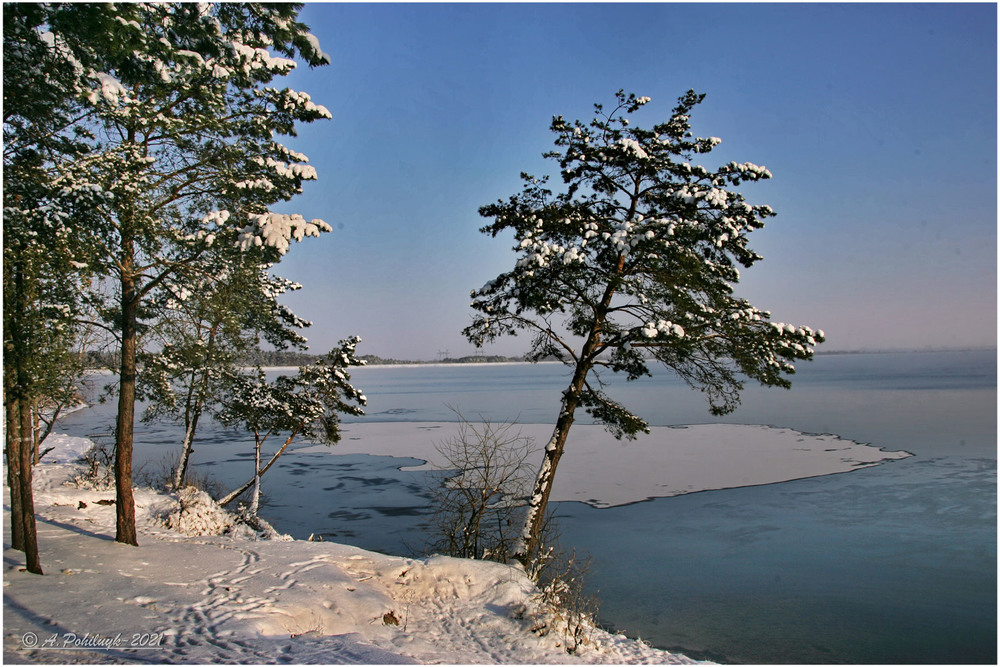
x,y
161,476
479,496
98,473
480,489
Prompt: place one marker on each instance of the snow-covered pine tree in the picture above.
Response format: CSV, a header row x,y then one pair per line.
x,y
633,262
214,314
307,404
181,128
42,265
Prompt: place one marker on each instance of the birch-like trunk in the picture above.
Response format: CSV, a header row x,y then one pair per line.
x,y
192,414
188,444
182,464
232,495
255,501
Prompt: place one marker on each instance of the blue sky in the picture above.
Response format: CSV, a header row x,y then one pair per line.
x,y
879,123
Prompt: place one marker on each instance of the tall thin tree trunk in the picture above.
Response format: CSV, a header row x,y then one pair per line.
x,y
192,410
27,501
186,446
232,495
49,425
14,473
19,393
255,501
528,543
36,433
125,531
192,414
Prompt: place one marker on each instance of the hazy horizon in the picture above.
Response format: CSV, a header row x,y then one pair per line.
x,y
819,352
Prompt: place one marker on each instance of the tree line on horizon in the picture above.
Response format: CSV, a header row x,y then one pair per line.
x,y
103,359
142,159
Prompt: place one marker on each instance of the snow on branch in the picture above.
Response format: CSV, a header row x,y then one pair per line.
x,y
276,230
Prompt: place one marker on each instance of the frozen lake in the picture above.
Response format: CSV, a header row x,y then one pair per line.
x,y
891,564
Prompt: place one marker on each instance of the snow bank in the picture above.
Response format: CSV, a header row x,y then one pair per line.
x,y
223,598
197,514
669,461
65,448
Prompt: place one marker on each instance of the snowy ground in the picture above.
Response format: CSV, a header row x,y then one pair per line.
x,y
209,599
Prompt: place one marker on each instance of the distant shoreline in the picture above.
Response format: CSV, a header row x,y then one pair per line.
x,y
432,364
515,361
373,361
921,350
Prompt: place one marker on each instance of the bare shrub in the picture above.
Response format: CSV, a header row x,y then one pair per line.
x,y
98,473
480,488
480,498
161,476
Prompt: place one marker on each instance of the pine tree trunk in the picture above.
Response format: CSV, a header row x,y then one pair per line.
x,y
27,501
14,474
528,543
125,531
36,440
21,430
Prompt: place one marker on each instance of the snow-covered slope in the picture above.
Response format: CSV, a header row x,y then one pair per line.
x,y
232,598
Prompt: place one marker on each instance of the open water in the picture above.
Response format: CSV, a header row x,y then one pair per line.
x,y
891,564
